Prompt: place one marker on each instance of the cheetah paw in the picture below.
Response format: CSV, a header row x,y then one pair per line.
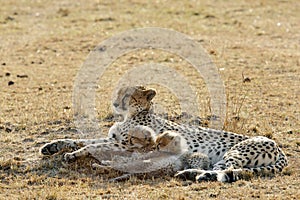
x,y
224,176
207,176
188,174
49,149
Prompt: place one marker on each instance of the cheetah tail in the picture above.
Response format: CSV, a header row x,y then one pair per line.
x,y
232,175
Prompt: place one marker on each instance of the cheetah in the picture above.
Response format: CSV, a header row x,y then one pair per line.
x,y
225,150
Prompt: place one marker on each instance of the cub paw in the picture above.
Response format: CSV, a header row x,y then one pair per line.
x,y
96,166
69,157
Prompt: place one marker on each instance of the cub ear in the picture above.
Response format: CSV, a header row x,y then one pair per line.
x,y
150,94
177,140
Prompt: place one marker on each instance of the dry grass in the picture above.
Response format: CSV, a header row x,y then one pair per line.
x,y
255,45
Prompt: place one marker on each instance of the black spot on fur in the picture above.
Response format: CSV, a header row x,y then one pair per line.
x,y
248,162
269,155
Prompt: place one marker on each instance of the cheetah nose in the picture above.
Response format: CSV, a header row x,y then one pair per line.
x,y
116,104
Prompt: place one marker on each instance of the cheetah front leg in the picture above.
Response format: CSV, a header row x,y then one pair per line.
x,y
99,151
69,145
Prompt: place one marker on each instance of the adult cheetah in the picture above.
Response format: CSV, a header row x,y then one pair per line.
x,y
226,150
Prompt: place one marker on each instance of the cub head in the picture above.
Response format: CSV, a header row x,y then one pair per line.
x,y
171,142
132,100
141,137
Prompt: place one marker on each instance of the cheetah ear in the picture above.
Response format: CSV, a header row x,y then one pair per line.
x,y
150,94
177,140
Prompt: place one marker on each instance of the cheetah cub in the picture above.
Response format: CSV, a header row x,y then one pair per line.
x,y
141,139
174,143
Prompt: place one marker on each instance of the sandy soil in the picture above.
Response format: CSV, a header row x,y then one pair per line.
x,y
256,47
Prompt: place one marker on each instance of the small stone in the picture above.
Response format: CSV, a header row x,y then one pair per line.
x,y
22,76
8,130
10,83
247,80
9,18
67,107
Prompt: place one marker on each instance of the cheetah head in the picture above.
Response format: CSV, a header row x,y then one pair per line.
x,y
141,137
132,100
171,142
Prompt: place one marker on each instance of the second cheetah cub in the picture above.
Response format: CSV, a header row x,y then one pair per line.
x,y
174,143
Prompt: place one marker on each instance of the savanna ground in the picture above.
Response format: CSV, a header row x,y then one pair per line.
x,y
256,47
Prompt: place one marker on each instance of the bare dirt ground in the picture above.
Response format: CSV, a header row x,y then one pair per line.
x,y
255,45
